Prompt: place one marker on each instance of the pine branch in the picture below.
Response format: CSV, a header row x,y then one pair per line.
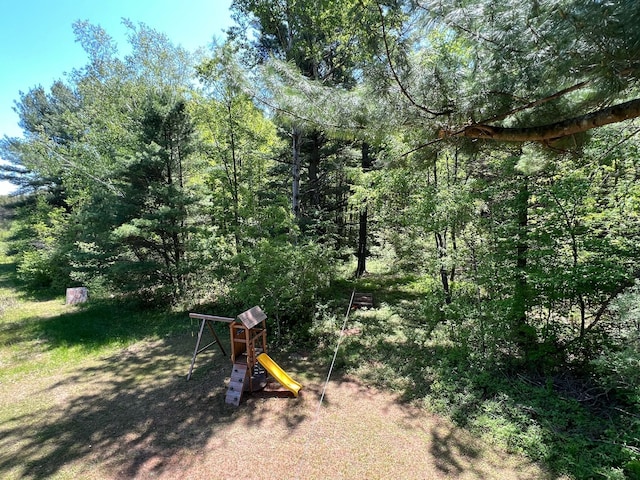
x,y
553,131
80,169
535,103
396,78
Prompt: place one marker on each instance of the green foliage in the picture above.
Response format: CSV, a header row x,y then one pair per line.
x,y
577,425
507,304
617,365
238,144
527,51
38,237
36,269
142,233
285,279
324,39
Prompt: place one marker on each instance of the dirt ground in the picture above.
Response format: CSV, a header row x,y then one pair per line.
x,y
134,415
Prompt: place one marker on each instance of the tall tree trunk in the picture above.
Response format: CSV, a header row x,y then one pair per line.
x,y
571,225
453,184
362,243
314,166
363,220
581,303
524,335
454,246
172,246
296,136
342,216
444,275
441,243
235,186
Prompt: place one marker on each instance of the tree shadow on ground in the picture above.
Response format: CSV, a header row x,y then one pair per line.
x,y
385,288
134,414
390,353
90,326
130,411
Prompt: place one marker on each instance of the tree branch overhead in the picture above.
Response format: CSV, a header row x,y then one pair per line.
x,y
553,131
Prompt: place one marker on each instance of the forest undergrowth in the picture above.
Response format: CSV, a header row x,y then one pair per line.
x,y
578,420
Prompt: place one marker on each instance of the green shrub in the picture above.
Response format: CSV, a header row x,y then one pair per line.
x,y
35,269
285,280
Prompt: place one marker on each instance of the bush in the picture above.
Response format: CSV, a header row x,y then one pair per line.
x,y
285,280
35,269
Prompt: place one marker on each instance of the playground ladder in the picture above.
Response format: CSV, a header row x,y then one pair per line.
x,y
236,384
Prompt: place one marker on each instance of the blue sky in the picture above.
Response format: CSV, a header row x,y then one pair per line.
x,y
37,45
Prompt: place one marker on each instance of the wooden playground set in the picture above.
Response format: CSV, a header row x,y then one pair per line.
x,y
249,359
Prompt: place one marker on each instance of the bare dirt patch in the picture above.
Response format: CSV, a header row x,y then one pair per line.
x,y
134,415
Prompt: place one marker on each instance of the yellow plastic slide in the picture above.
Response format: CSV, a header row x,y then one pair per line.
x,y
279,374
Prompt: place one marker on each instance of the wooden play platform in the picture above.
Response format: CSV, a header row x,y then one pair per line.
x,y
250,362
248,340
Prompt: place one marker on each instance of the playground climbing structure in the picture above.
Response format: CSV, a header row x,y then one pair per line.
x,y
250,362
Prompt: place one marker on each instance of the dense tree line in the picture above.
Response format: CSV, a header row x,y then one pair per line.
x,y
490,147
